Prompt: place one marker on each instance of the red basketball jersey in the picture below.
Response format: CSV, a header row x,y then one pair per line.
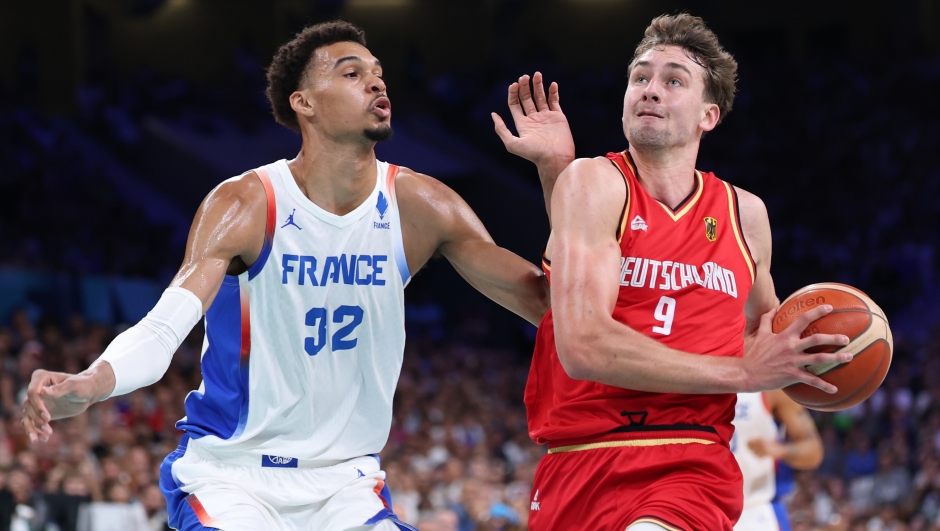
x,y
684,278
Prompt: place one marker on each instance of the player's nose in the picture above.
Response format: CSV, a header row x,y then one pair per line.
x,y
651,93
377,84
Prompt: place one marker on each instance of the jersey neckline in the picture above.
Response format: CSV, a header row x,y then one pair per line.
x,y
287,179
685,205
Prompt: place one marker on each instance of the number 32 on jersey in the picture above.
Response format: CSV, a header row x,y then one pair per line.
x,y
340,340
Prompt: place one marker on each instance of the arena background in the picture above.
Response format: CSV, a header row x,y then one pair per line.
x,y
118,116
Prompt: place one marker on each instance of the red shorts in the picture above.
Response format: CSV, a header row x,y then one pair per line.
x,y
676,480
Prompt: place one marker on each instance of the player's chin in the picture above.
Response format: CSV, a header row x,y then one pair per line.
x,y
379,132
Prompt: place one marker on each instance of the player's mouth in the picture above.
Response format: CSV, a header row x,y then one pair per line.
x,y
382,107
652,114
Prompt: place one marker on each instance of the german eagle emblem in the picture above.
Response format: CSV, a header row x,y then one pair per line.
x,y
711,229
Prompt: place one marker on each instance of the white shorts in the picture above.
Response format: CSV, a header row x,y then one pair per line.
x,y
758,518
236,492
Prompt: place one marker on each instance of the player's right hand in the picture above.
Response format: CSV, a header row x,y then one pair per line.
x,y
774,361
54,395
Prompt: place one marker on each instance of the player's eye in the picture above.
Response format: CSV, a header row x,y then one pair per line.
x,y
639,79
351,74
675,82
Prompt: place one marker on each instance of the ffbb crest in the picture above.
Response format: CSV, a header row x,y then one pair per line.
x,y
711,229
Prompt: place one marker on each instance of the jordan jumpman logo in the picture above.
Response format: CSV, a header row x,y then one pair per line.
x,y
290,220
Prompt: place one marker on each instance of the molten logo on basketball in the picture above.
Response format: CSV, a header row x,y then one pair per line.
x,y
796,307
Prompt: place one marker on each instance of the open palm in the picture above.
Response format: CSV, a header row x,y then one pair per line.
x,y
544,133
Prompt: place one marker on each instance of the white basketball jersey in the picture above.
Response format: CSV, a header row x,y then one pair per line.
x,y
752,420
303,351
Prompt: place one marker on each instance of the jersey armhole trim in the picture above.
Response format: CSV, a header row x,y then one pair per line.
x,y
269,224
735,215
622,226
400,259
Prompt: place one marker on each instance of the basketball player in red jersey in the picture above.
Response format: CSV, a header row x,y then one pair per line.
x,y
662,307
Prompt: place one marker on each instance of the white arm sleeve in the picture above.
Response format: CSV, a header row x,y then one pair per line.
x,y
141,355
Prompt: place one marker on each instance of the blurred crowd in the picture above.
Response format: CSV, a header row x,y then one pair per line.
x,y
58,212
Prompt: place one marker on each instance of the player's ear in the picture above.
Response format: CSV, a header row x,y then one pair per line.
x,y
710,117
302,102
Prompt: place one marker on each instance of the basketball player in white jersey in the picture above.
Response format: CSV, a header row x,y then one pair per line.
x,y
756,446
300,268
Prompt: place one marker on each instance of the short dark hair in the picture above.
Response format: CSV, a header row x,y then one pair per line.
x,y
292,59
691,34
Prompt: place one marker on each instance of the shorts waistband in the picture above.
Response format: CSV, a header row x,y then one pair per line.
x,y
193,446
638,439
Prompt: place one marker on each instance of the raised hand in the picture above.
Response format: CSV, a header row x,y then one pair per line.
x,y
774,361
544,135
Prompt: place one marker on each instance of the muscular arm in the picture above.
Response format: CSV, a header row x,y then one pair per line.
x,y
803,449
228,233
756,227
436,219
592,345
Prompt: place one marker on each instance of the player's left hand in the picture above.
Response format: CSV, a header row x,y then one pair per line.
x,y
767,448
544,134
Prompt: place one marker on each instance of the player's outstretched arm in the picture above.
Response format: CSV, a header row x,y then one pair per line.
x,y
437,220
227,233
803,449
544,135
592,345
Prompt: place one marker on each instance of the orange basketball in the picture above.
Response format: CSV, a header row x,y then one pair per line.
x,y
855,315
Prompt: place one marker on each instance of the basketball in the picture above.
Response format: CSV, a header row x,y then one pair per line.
x,y
855,315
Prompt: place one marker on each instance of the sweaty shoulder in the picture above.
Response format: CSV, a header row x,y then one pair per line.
x,y
231,220
755,223
417,190
431,214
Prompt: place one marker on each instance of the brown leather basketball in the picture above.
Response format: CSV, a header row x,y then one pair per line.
x,y
855,315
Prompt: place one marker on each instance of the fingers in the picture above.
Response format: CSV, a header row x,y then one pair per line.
x,y
31,431
502,131
538,91
825,358
39,381
553,98
766,321
515,108
34,395
816,340
37,427
802,322
818,383
525,95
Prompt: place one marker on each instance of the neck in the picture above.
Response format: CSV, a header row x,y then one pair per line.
x,y
336,176
668,175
